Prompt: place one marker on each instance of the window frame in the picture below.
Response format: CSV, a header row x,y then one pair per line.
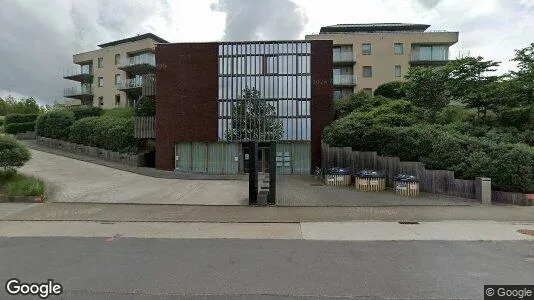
x,y
368,91
369,68
100,62
117,58
117,82
401,48
399,67
370,49
100,82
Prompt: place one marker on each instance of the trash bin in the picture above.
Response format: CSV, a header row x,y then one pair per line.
x,y
338,177
406,185
370,181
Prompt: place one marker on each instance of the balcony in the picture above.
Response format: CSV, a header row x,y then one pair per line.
x,y
344,58
131,85
429,55
138,64
344,80
428,62
83,93
80,74
148,85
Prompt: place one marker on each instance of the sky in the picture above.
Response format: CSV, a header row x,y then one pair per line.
x,y
39,37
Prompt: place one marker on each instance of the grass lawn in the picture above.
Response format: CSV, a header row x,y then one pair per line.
x,y
16,184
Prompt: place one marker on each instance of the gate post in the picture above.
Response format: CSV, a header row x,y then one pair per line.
x,y
271,198
253,173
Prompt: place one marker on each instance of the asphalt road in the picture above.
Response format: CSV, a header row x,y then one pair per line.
x,y
130,268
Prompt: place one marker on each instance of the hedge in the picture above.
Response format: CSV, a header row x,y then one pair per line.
x,y
391,90
55,124
121,112
84,112
20,118
111,133
15,128
511,166
521,118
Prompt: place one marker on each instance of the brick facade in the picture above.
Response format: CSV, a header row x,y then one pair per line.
x,y
186,100
322,111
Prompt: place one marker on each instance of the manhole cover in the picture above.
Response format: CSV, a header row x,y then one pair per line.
x,y
409,223
526,231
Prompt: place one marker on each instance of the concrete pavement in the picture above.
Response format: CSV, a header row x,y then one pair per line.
x,y
346,231
71,180
251,214
129,268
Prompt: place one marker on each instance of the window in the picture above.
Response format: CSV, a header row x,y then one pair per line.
x,y
271,65
367,71
101,101
398,71
100,62
117,99
117,79
100,81
368,91
117,58
398,48
366,49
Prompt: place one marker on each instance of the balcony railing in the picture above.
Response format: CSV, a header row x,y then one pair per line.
x,y
78,73
344,79
343,57
78,92
131,83
138,64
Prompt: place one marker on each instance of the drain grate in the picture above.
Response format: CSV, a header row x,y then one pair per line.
x,y
408,223
526,231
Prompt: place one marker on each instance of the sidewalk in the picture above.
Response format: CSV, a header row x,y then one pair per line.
x,y
251,214
347,231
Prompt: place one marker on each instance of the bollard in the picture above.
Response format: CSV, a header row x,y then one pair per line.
x,y
483,189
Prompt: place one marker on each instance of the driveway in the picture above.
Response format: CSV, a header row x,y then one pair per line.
x,y
71,180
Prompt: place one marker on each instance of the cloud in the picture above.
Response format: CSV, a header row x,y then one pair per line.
x,y
429,4
261,20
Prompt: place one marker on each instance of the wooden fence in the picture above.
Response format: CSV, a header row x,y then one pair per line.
x,y
148,88
145,127
432,181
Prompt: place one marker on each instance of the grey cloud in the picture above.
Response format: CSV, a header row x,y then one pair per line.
x,y
429,4
38,39
258,20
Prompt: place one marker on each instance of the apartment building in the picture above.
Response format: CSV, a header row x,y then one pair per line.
x,y
204,118
368,55
111,76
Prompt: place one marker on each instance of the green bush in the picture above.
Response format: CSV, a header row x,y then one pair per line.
x,y
391,90
111,133
20,118
14,128
55,124
12,153
521,118
453,114
145,107
122,112
84,112
1,122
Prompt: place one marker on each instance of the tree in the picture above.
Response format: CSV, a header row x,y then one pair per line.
x,y
468,83
145,107
12,153
10,105
253,118
522,80
392,90
426,87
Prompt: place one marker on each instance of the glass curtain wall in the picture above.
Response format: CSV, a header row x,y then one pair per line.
x,y
277,106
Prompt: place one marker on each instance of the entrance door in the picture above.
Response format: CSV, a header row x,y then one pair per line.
x,y
263,160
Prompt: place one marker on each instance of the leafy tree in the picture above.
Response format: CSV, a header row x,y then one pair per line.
x,y
426,87
522,80
348,104
392,90
145,107
254,119
467,82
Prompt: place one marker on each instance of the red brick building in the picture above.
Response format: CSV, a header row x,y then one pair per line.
x,y
204,116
